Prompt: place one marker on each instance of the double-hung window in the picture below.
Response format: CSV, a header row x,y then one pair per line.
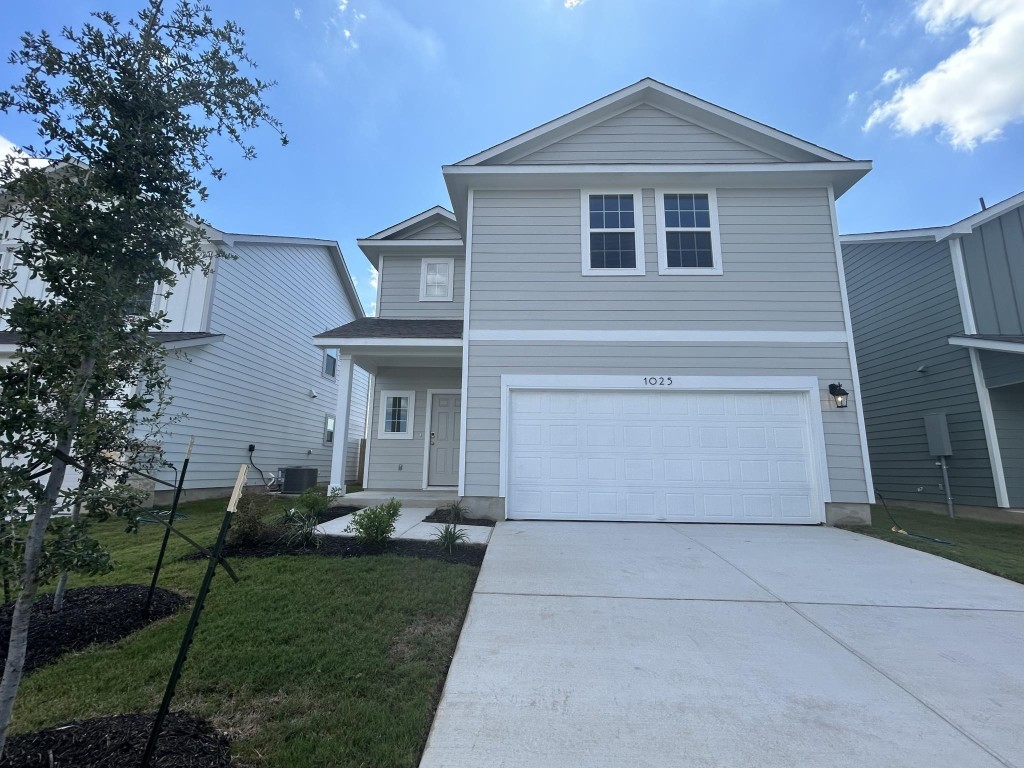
x,y
437,279
397,411
613,240
688,241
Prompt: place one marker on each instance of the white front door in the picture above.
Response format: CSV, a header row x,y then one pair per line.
x,y
445,419
707,456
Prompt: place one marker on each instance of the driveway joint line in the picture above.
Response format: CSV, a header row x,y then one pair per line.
x,y
793,607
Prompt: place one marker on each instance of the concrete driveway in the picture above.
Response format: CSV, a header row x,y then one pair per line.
x,y
626,644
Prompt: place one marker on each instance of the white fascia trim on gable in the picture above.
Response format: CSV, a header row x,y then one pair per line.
x,y
465,346
808,385
185,343
426,433
707,337
437,210
410,422
989,344
963,291
368,342
854,372
427,260
716,239
988,421
638,232
408,244
926,235
557,169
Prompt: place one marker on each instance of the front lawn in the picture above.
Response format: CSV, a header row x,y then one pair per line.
x,y
994,547
308,661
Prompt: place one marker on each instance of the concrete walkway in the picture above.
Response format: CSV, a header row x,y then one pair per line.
x,y
619,644
410,525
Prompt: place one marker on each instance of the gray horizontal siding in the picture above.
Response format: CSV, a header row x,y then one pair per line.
x,y
1001,368
400,290
778,257
489,360
1008,412
994,262
904,306
645,134
386,456
439,230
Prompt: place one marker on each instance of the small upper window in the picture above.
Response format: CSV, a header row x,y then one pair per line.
x,y
330,363
688,240
397,410
612,238
329,429
437,280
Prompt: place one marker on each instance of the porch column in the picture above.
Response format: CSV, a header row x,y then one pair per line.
x,y
343,375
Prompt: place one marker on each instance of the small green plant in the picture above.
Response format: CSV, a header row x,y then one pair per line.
x,y
455,512
375,525
249,525
449,536
300,528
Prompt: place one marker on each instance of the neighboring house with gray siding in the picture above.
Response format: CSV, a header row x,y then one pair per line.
x,y
241,368
633,312
937,319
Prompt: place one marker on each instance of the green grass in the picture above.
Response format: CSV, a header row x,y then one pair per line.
x,y
307,661
994,547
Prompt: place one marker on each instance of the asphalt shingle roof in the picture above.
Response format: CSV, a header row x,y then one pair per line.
x,y
383,328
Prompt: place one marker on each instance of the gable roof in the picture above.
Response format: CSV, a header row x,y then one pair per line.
x,y
963,227
671,100
436,229
408,228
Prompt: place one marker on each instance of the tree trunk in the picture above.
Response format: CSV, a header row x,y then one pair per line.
x,y
18,643
62,582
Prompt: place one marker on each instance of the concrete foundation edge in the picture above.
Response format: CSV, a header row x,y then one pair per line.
x,y
847,513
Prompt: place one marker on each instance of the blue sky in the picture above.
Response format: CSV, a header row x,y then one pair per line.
x,y
377,94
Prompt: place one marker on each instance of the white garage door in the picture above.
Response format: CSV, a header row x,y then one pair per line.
x,y
743,457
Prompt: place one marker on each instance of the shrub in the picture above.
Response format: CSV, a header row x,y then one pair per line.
x,y
316,501
249,524
375,525
300,528
449,536
455,512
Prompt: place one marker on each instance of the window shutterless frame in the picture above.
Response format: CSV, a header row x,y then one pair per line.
x,y
685,227
397,414
437,279
330,363
329,424
637,230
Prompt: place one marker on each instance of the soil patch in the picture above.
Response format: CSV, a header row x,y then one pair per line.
x,y
90,615
440,515
347,546
118,742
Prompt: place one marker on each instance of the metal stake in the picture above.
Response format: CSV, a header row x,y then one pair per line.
x,y
193,622
945,483
167,531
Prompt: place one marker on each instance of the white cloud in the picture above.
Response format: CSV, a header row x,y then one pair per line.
x,y
851,98
373,278
978,90
298,14
894,75
570,4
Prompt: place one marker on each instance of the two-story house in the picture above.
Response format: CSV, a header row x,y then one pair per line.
x,y
635,312
242,372
938,317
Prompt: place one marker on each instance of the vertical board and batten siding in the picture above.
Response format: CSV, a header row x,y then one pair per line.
x,y
253,386
187,306
1008,412
398,464
646,134
994,263
489,360
400,290
778,255
904,307
1001,368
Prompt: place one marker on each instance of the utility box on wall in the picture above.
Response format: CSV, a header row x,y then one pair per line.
x,y
937,430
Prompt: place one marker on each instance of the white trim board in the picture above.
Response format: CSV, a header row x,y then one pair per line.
x,y
437,210
854,372
426,434
465,346
1012,347
371,342
697,336
425,263
963,291
662,231
410,422
637,231
995,455
808,385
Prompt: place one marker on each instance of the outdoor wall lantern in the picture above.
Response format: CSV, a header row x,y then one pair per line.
x,y
841,395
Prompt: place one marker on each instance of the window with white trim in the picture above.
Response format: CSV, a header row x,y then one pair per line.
x,y
330,369
612,233
688,240
437,279
397,413
329,429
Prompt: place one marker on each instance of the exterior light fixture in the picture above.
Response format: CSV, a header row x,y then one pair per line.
x,y
841,395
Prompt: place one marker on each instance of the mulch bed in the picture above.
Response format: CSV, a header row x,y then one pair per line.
x,y
440,515
118,742
90,615
333,513
346,546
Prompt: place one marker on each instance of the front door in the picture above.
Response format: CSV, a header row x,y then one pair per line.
x,y
443,469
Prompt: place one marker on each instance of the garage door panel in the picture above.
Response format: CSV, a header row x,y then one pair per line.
x,y
677,455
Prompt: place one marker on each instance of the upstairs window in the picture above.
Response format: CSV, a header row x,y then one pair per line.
x,y
688,242
330,363
612,233
397,411
437,279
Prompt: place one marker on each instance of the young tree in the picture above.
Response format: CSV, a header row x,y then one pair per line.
x,y
129,115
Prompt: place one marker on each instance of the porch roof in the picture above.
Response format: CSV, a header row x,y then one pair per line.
x,y
386,328
372,342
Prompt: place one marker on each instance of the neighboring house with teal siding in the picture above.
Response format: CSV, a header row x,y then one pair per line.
x,y
938,321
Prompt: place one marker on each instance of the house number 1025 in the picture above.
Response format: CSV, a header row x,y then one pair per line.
x,y
658,381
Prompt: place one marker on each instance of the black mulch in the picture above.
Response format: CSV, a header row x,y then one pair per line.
x,y
90,615
333,513
346,546
440,515
118,742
